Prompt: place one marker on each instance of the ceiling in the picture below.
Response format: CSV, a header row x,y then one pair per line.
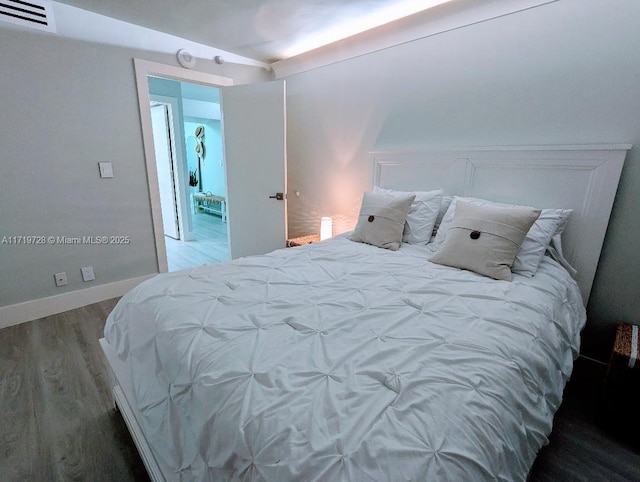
x,y
264,30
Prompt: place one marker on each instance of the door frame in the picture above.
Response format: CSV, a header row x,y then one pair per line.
x,y
144,69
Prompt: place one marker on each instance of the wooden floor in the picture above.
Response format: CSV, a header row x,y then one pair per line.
x,y
582,447
210,245
57,422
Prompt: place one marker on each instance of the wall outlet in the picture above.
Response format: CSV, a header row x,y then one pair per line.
x,y
87,273
106,170
61,279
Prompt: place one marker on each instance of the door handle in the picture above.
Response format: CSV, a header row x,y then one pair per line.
x,y
279,196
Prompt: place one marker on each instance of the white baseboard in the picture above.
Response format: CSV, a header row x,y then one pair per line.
x,y
35,309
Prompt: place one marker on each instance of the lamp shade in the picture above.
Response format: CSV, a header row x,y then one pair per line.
x,y
326,228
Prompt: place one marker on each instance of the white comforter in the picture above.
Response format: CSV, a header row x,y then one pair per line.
x,y
340,361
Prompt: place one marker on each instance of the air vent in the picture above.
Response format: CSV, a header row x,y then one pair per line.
x,y
34,13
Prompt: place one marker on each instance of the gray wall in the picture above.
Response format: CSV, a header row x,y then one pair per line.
x,y
565,73
64,106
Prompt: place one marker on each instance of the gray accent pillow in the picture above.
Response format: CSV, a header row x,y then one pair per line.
x,y
381,220
485,239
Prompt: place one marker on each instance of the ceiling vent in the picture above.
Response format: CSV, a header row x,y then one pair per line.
x,y
33,13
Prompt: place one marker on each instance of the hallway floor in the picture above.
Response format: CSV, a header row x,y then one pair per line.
x,y
210,245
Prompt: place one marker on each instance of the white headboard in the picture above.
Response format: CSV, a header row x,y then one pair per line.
x,y
582,178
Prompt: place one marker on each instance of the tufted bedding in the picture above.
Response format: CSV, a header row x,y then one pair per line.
x,y
340,361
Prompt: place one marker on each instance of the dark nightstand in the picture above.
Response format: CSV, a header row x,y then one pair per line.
x,y
621,391
301,240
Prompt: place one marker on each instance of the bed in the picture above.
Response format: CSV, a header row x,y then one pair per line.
x,y
341,360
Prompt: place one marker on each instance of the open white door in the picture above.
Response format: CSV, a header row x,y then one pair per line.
x,y
166,178
253,126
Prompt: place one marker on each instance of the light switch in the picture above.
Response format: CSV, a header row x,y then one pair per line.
x,y
106,169
87,273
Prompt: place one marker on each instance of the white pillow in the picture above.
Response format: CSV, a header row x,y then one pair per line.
x,y
536,241
446,202
418,227
555,248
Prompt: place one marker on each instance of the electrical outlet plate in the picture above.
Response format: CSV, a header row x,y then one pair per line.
x,y
106,169
87,273
61,279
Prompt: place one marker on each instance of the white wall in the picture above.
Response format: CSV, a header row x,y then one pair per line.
x,y
64,106
564,73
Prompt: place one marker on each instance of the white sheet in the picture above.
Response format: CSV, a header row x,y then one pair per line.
x,y
339,361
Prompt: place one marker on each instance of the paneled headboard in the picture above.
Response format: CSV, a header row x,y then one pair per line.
x,y
582,178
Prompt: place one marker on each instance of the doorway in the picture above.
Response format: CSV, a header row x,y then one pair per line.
x,y
254,143
187,138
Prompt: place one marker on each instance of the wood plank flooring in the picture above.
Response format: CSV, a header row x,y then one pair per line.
x,y
210,245
57,421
